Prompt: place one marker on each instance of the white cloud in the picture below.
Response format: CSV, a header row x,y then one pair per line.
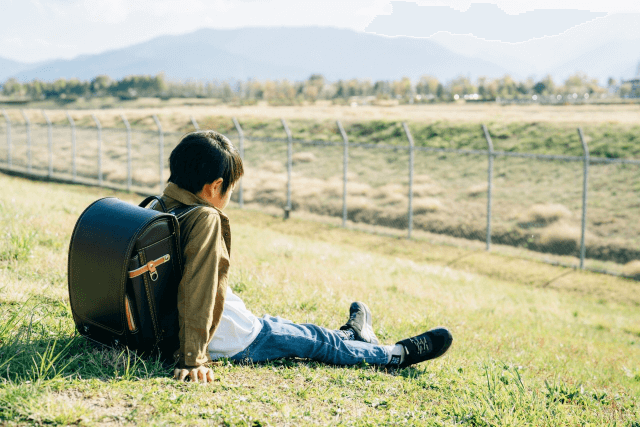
x,y
107,12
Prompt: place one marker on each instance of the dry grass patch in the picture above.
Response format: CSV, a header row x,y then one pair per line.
x,y
562,237
427,189
389,190
271,166
174,116
359,204
392,199
543,214
477,190
303,157
632,269
357,188
426,205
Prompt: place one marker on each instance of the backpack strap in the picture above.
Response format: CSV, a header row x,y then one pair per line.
x,y
157,199
181,211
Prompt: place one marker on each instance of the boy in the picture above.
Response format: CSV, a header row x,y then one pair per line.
x,y
214,322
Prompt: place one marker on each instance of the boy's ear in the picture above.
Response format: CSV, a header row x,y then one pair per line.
x,y
209,191
216,185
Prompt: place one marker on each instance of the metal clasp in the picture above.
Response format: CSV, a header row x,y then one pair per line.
x,y
153,273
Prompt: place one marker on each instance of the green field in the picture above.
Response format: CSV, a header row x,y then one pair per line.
x,y
533,344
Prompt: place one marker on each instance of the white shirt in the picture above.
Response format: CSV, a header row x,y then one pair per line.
x,y
237,329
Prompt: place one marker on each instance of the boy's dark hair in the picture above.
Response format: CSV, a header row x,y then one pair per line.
x,y
202,157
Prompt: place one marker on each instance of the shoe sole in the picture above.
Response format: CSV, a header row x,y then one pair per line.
x,y
367,333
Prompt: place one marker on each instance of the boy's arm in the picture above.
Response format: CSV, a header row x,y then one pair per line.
x,y
202,288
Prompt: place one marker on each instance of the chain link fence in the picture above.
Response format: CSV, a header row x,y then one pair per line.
x,y
578,211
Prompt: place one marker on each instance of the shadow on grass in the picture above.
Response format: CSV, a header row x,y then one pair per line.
x,y
74,357
409,372
38,342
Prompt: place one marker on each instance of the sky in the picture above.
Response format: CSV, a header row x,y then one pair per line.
x,y
38,30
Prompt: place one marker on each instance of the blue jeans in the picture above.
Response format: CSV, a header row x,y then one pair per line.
x,y
281,338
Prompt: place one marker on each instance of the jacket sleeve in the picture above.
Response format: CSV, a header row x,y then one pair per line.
x,y
202,288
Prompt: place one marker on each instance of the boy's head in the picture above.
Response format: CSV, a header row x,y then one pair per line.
x,y
203,157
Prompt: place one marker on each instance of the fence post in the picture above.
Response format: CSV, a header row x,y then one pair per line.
x,y
585,180
411,161
489,183
345,169
194,123
8,120
126,124
28,127
241,150
99,126
50,141
73,146
287,209
160,149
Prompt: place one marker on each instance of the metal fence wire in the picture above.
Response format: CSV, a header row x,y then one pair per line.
x,y
579,211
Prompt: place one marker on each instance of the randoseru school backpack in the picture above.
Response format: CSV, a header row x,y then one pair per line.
x,y
124,268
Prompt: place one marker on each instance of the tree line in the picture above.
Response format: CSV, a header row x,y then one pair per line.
x,y
426,89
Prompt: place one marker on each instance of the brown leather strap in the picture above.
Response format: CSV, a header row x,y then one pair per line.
x,y
150,267
129,313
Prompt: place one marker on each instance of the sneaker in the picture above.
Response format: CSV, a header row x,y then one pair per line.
x,y
360,323
429,345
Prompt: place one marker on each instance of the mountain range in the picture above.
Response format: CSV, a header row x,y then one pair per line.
x,y
605,47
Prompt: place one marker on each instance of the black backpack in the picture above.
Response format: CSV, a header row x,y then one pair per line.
x,y
124,267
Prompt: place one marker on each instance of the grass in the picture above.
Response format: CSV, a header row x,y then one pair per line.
x,y
533,344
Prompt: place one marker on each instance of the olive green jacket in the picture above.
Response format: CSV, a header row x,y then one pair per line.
x,y
205,239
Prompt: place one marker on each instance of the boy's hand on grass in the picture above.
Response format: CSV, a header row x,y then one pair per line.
x,y
202,374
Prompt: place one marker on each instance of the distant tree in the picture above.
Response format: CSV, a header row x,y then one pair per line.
x,y
461,86
539,88
526,87
507,87
59,88
580,84
13,87
402,88
427,85
382,89
35,89
99,85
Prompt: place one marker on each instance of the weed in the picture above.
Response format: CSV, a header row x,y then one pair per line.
x,y
18,246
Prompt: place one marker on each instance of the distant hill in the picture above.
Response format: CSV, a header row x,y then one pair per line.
x,y
602,48
273,53
615,59
9,68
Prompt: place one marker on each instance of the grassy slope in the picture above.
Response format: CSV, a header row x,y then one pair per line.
x,y
611,130
534,344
